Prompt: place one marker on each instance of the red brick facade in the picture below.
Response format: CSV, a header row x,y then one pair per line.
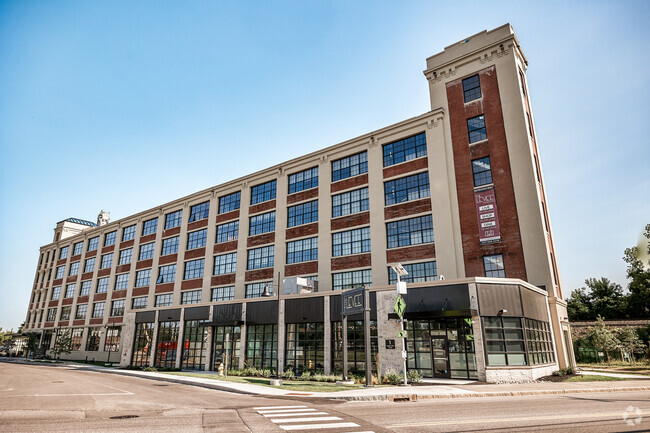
x,y
357,219
261,207
260,274
192,284
301,269
170,258
407,209
496,148
222,280
266,238
197,225
119,294
351,262
302,196
141,291
195,253
169,232
350,182
406,167
228,216
148,238
164,288
301,231
144,264
125,244
225,247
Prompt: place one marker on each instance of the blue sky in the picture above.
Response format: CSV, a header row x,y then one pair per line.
x,y
126,105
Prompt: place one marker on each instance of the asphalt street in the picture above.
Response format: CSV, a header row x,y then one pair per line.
x,y
44,398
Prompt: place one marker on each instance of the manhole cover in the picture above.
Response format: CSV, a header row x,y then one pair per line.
x,y
124,416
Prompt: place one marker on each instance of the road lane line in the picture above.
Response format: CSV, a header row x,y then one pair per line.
x,y
318,418
277,407
275,415
601,415
318,426
261,412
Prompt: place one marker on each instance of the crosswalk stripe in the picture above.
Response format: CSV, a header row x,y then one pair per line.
x,y
318,426
277,407
318,418
275,415
285,411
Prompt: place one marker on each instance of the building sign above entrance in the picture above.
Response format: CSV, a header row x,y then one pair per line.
x,y
353,301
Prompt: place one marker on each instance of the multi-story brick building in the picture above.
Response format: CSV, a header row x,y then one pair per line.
x,y
456,191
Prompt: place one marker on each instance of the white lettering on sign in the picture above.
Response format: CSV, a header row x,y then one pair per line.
x,y
486,207
487,216
488,224
355,301
485,198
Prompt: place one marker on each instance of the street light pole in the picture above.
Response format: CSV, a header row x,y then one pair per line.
x,y
279,336
401,289
110,345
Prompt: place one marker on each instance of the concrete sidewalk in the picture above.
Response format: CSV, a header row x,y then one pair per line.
x,y
442,389
360,393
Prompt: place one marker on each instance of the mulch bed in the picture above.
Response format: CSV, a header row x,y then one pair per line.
x,y
552,378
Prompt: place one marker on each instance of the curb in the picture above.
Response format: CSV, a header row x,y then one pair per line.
x,y
415,397
376,397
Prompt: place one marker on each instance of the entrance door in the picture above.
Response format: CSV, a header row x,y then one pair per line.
x,y
440,357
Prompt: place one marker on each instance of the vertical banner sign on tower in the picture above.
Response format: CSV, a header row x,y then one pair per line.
x,y
486,211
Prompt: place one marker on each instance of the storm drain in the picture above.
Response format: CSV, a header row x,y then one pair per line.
x,y
402,398
124,416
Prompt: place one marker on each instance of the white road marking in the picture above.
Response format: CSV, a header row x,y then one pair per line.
x,y
277,407
275,415
318,426
318,418
261,412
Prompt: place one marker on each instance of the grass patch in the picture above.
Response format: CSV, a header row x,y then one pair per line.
x,y
618,367
291,385
594,378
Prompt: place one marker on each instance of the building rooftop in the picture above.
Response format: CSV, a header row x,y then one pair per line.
x,y
80,221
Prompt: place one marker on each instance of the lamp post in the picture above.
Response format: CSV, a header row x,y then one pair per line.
x,y
401,290
108,361
267,294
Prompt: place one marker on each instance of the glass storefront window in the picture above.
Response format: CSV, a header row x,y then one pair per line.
x,y
142,344
356,346
234,340
504,340
167,344
195,344
459,348
305,347
262,346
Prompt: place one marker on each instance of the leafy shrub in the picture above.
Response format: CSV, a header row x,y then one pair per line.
x,y
414,376
289,374
393,377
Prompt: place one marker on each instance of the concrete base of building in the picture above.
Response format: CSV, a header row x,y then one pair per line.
x,y
521,374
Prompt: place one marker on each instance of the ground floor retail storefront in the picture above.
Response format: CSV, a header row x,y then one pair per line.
x,y
492,330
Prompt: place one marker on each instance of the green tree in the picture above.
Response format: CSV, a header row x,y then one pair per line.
x,y
32,342
601,297
62,344
603,337
607,299
579,305
638,271
630,342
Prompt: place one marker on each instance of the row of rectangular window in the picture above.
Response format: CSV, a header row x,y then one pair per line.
x,y
396,191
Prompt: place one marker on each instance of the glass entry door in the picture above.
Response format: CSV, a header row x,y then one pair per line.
x,y
440,357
